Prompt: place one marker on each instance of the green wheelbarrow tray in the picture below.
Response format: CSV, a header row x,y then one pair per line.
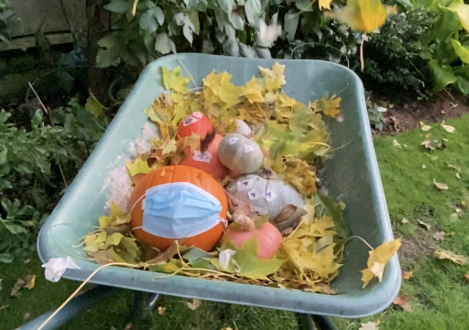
x,y
352,174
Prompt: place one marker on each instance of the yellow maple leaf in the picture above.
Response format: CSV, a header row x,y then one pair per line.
x,y
378,259
116,213
174,80
272,84
319,227
252,92
457,259
139,166
275,73
310,210
219,89
169,145
298,255
323,261
361,15
286,101
161,113
192,141
326,4
298,173
95,242
331,107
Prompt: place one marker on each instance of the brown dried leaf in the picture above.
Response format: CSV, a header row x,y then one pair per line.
x,y
161,310
403,302
407,274
369,326
17,287
441,186
427,144
102,257
448,128
29,281
167,254
26,316
457,259
285,214
426,225
404,221
439,235
4,307
117,229
194,304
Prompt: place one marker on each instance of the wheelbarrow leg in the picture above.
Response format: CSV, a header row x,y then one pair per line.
x,y
144,303
74,307
315,322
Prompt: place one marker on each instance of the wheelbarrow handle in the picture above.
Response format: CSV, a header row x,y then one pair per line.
x,y
315,322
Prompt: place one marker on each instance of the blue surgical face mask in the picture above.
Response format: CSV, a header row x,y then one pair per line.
x,y
178,210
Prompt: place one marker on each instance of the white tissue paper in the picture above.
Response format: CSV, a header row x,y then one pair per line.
x,y
224,258
56,267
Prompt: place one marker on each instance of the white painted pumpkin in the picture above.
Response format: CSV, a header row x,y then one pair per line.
x,y
266,196
240,154
243,128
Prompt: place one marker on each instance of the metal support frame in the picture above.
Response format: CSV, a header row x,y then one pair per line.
x,y
144,303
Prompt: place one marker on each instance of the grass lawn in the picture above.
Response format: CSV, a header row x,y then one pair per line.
x,y
438,292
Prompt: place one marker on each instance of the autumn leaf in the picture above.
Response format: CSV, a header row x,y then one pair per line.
x,y
403,302
17,287
139,166
161,113
219,89
194,304
161,310
286,101
396,144
325,4
448,128
407,274
331,107
276,73
252,92
174,80
115,213
441,186
369,326
439,235
457,259
29,281
424,127
169,145
466,276
377,260
424,224
361,15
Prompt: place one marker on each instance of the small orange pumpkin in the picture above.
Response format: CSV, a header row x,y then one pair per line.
x,y
196,123
169,174
207,161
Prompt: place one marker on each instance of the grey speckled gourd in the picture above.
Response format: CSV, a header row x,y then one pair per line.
x,y
268,195
240,154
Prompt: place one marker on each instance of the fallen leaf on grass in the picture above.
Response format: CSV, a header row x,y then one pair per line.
x,y
457,175
1,284
407,274
424,127
466,276
426,225
449,129
4,307
441,186
457,168
369,326
424,167
194,304
17,287
404,221
26,316
457,259
128,326
29,281
162,310
439,235
454,217
378,259
396,144
227,329
403,302
427,144
27,261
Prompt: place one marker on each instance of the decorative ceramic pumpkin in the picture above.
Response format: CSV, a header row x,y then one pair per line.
x,y
207,161
240,154
268,239
196,123
176,174
266,196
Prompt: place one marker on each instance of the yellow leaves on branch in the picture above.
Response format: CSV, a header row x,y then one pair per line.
x,y
361,15
378,259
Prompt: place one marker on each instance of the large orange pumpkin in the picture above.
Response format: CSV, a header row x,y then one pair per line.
x,y
180,173
196,123
207,161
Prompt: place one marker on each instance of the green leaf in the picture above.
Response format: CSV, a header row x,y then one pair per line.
x,y
194,18
447,24
110,53
462,84
462,51
15,229
441,75
290,25
94,107
151,19
170,266
326,206
194,255
462,10
304,5
3,155
253,11
117,6
226,5
6,258
164,44
236,20
260,221
174,80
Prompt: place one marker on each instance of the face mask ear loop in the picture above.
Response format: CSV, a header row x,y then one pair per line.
x,y
133,206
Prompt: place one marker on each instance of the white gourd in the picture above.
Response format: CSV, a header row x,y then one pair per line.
x,y
266,196
243,128
240,154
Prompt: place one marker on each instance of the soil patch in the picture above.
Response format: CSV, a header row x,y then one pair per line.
x,y
400,118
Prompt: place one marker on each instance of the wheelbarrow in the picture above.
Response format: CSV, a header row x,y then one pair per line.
x,y
351,175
